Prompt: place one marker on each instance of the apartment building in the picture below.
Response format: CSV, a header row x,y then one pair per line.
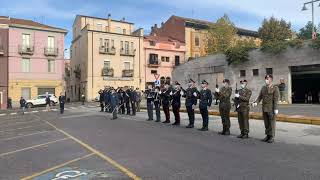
x,y
104,52
35,58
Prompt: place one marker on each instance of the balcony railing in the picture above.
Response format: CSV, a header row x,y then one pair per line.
x,y
128,52
127,73
51,51
106,50
1,50
109,72
23,49
153,63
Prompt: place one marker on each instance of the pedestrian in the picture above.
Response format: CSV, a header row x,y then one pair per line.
x,y
127,100
269,95
223,95
310,97
191,94
282,87
205,102
121,100
48,102
83,98
138,99
114,102
157,103
165,101
9,103
243,96
22,104
101,99
176,103
133,98
150,97
62,101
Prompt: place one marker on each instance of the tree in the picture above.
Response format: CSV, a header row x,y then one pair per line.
x,y
240,52
275,30
220,35
306,32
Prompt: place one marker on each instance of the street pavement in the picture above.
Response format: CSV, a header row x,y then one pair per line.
x,y
86,144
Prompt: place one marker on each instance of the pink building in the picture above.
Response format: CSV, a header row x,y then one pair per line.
x,y
36,58
162,55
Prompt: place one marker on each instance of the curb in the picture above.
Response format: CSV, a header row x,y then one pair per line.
x,y
258,116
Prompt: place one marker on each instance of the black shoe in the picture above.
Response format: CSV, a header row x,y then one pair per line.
x,y
222,133
166,122
176,124
204,129
270,140
240,136
190,126
266,139
149,119
227,133
157,121
245,136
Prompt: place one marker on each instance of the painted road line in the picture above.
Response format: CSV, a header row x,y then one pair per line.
x,y
23,122
73,108
13,113
56,167
32,147
19,128
26,135
104,157
54,109
44,110
34,111
3,114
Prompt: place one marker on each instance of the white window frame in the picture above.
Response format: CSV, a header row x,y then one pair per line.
x,y
25,68
51,65
104,63
26,40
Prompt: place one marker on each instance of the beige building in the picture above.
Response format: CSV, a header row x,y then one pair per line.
x,y
104,52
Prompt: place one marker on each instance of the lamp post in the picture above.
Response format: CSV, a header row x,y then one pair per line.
x,y
304,8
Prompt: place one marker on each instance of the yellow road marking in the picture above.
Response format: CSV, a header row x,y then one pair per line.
x,y
32,147
21,122
106,158
56,167
19,128
16,137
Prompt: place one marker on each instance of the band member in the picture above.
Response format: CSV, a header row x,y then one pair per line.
x,y
223,95
244,96
133,100
114,102
205,102
157,103
269,95
127,100
121,100
101,100
191,94
150,97
166,98
176,103
138,99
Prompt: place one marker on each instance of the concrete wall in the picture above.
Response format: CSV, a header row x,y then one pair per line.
x,y
204,68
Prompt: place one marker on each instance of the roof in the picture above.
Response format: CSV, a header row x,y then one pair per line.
x,y
29,23
105,19
162,39
241,31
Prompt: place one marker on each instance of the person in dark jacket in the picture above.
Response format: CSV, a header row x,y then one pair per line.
x,y
138,99
48,102
205,102
127,100
121,100
22,104
101,99
157,103
133,98
165,99
176,103
62,101
9,103
114,102
150,97
191,95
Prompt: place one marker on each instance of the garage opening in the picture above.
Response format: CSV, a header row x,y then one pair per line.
x,y
306,84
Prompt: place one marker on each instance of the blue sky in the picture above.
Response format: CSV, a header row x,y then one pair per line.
x,y
144,13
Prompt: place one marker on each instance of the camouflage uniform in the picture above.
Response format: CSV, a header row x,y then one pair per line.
x,y
224,106
243,110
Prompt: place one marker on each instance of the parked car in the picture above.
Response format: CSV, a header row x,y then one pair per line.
x,y
40,100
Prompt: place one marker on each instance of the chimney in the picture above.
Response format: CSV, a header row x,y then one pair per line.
x,y
155,25
109,22
123,19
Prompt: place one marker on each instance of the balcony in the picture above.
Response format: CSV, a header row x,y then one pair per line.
x,y
153,63
1,50
77,73
23,49
104,50
50,51
128,52
108,72
127,73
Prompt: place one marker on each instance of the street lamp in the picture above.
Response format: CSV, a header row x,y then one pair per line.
x,y
304,8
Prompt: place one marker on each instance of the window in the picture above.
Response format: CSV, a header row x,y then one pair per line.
x,y
51,65
242,73
112,43
126,47
106,64
99,27
50,44
196,40
124,31
25,64
152,43
163,59
177,60
167,59
255,72
26,40
127,65
269,71
107,43
26,93
154,72
121,45
131,47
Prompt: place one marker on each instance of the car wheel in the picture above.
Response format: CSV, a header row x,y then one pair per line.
x,y
29,105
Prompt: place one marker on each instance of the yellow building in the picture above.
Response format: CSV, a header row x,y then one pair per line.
x,y
104,52
193,33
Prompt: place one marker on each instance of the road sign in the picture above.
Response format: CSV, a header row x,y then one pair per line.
x,y
157,82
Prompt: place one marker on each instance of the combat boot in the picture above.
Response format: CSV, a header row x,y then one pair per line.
x,y
223,132
266,138
240,136
227,132
190,126
270,140
245,136
204,129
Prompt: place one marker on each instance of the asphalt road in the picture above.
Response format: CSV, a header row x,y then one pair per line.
x,y
86,144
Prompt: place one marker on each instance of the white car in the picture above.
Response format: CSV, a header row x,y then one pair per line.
x,y
41,100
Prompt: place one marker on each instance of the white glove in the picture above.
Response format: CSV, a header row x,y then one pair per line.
x,y
217,90
171,93
276,111
254,104
193,106
182,93
160,92
237,95
195,94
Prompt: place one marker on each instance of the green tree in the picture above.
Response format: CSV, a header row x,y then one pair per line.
x,y
240,52
306,32
220,35
274,30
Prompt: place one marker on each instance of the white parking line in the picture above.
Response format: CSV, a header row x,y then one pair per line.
x,y
2,114
34,111
13,113
54,109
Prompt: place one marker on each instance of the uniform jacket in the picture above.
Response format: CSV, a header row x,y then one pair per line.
x,y
126,96
176,98
269,97
150,95
165,97
244,99
205,97
224,97
114,100
62,99
190,98
133,96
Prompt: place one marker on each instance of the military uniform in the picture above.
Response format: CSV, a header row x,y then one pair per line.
x,y
224,107
101,100
121,101
150,96
176,104
243,111
133,98
191,100
114,102
165,99
126,98
157,104
205,102
269,95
